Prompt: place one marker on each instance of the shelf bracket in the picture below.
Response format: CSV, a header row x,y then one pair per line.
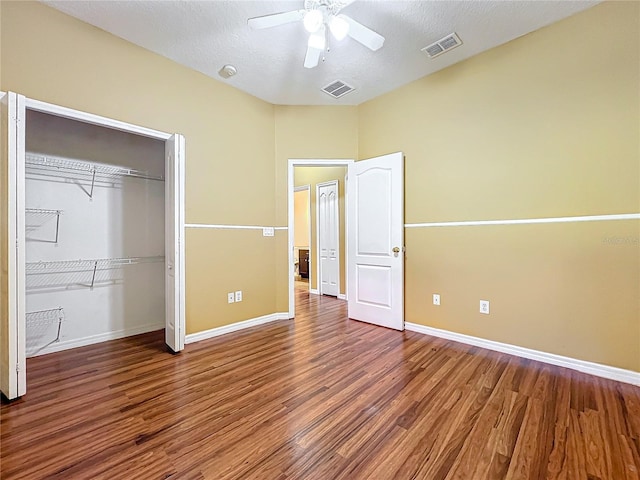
x,y
93,278
60,317
57,225
93,182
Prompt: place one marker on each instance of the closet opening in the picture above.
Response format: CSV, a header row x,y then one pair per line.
x,y
93,233
94,217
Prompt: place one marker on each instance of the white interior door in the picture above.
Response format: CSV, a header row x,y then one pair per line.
x,y
174,243
12,320
328,238
376,240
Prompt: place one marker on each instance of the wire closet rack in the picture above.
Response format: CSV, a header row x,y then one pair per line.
x,y
37,217
88,268
41,325
82,172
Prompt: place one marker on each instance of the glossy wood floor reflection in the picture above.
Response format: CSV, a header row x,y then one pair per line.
x,y
319,398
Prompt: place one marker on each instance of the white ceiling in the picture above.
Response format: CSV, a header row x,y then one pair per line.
x,y
205,35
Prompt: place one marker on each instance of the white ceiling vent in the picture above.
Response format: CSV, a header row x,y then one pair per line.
x,y
337,89
442,45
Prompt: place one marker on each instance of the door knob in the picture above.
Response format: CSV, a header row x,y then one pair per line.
x,y
396,250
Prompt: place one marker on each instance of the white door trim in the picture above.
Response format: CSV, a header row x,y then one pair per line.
x,y
21,250
292,163
319,269
85,117
345,295
14,379
174,253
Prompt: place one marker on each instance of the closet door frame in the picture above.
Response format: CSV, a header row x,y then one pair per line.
x,y
18,276
14,380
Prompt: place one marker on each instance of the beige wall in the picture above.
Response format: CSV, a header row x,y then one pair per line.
x,y
241,260
301,218
306,132
313,176
50,56
545,126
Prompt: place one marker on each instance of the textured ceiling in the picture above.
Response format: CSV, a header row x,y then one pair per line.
x,y
205,35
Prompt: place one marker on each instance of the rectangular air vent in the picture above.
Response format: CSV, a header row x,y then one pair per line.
x,y
338,89
442,45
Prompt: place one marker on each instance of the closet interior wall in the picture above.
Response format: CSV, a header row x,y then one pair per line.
x,y
95,234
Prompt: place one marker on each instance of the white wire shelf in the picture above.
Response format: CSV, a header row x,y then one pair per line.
x,y
102,169
80,272
89,264
43,211
37,217
41,326
45,317
82,172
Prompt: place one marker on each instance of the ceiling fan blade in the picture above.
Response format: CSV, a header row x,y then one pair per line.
x,y
276,19
312,58
315,47
364,35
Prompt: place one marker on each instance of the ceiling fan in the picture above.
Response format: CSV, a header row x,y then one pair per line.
x,y
320,17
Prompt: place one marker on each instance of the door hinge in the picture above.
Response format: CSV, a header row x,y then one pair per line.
x,y
17,368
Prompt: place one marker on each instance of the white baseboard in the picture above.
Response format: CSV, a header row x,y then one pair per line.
x,y
102,337
342,296
597,369
234,327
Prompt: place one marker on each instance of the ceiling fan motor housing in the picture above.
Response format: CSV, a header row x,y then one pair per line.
x,y
331,7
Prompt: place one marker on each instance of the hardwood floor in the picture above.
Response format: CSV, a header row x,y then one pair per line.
x,y
320,397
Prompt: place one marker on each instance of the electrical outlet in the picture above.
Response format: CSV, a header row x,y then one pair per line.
x,y
239,296
436,299
230,297
484,307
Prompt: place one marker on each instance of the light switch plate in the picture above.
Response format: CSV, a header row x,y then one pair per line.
x,y
436,299
230,297
239,296
267,231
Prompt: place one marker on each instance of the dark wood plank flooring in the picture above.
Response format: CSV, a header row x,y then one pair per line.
x,y
320,397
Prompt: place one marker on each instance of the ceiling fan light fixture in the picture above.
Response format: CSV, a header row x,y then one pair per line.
x,y
317,40
313,20
339,27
